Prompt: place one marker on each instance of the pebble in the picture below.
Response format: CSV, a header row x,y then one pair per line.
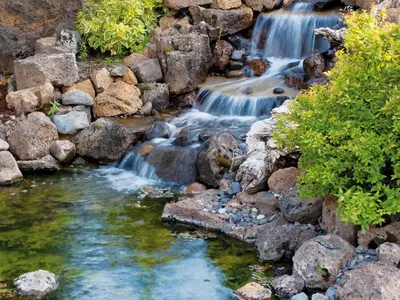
x,y
360,249
260,217
278,90
236,219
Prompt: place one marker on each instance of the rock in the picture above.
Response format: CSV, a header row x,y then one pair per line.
x,y
148,71
222,52
30,100
85,86
265,202
32,136
185,61
145,110
185,100
228,21
58,69
68,41
331,223
146,149
186,138
282,242
195,188
301,296
129,77
130,60
235,74
236,65
320,260
71,122
319,296
63,110
4,145
179,4
287,286
45,164
370,281
334,36
118,71
254,291
47,45
237,55
118,99
173,18
9,171
283,179
2,131
259,67
392,8
36,284
77,97
278,90
101,79
378,236
297,210
314,66
158,130
105,141
389,254
64,151
155,93
261,5
226,4
191,210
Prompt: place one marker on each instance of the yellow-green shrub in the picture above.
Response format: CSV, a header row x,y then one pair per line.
x,y
118,26
348,131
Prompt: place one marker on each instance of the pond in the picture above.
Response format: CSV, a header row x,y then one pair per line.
x,y
105,243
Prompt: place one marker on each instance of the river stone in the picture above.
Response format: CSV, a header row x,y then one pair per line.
x,y
101,79
36,284
146,149
254,291
85,86
158,130
297,210
4,146
259,66
212,164
283,179
46,164
71,122
63,150
235,74
222,52
314,66
179,4
287,286
118,99
32,136
148,71
156,93
320,260
77,97
105,141
30,100
389,254
370,281
193,210
58,69
9,171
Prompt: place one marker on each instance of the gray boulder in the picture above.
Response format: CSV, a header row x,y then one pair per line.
x,y
314,66
65,109
301,296
155,93
9,172
36,284
71,122
297,210
148,70
287,286
158,130
320,260
389,254
77,97
58,69
44,164
4,145
63,150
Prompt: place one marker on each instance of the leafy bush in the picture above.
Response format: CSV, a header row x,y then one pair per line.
x,y
118,26
348,131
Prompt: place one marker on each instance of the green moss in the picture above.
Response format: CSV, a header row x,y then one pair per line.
x,y
224,162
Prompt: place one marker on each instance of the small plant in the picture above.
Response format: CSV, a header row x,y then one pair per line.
x,y
54,108
99,126
322,271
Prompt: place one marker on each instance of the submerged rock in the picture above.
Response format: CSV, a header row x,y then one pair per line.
x,y
36,284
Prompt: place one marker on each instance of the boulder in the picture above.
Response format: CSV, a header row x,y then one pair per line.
x,y
156,93
148,71
77,97
32,136
36,284
64,151
58,69
128,77
119,99
331,223
63,110
222,52
282,242
193,211
173,18
320,260
185,61
4,146
44,164
314,66
9,171
101,79
301,296
158,130
226,4
378,236
260,5
254,291
145,110
392,8
85,86
283,180
297,210
105,141
30,100
287,286
195,188
185,100
389,254
67,41
258,66
71,122
265,202
370,281
130,60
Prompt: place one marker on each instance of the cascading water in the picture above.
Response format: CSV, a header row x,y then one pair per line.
x,y
284,38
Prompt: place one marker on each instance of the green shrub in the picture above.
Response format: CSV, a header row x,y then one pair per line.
x,y
348,131
118,26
